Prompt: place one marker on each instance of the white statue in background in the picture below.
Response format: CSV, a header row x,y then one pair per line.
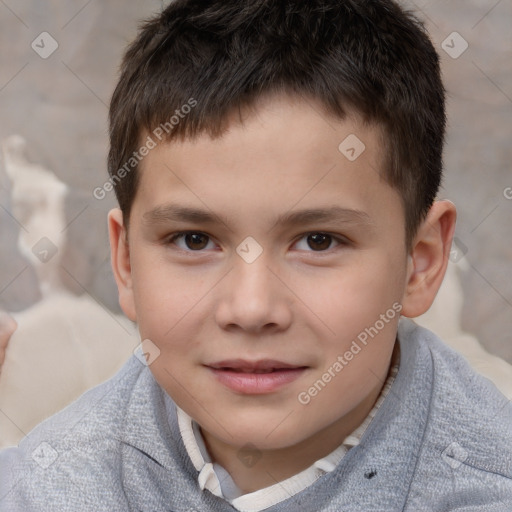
x,y
64,344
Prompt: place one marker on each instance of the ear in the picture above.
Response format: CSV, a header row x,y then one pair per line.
x,y
120,258
428,258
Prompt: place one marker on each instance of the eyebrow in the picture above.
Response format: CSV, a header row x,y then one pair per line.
x,y
179,213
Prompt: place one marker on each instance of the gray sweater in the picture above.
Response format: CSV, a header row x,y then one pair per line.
x,y
441,441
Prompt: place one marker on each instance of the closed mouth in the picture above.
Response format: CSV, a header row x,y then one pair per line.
x,y
255,370
257,367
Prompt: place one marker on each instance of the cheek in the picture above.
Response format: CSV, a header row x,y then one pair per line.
x,y
362,311
164,299
352,298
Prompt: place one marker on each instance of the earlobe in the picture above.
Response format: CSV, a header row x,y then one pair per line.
x,y
428,258
120,258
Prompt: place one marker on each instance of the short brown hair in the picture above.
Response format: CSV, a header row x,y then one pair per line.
x,y
371,56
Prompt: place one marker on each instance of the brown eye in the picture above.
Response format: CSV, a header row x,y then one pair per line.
x,y
319,241
196,241
191,241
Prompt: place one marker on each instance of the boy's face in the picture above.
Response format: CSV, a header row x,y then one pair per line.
x,y
212,300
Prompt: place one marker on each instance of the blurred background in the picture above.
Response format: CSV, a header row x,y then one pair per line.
x,y
58,67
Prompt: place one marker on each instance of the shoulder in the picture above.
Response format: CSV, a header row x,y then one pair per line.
x,y
468,435
473,404
77,447
459,393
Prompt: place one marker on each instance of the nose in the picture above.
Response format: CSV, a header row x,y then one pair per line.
x,y
254,298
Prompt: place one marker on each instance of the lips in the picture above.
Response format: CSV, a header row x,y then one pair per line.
x,y
261,366
255,377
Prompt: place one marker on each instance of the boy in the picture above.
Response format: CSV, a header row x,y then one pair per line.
x,y
276,165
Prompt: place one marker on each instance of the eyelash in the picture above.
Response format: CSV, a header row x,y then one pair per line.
x,y
342,241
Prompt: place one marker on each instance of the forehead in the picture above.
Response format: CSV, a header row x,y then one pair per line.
x,y
281,153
